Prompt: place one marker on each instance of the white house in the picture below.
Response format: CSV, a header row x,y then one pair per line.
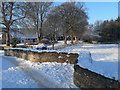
x,y
23,34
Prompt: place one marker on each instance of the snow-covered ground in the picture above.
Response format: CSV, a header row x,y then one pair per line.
x,y
60,74
104,58
13,77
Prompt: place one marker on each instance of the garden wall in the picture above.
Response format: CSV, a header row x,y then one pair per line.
x,y
85,78
44,56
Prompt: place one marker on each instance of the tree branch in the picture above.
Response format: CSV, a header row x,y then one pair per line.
x,y
16,20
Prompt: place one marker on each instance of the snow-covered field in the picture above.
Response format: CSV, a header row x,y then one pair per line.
x,y
104,58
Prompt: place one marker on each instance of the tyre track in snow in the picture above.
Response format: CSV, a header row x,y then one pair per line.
x,y
39,77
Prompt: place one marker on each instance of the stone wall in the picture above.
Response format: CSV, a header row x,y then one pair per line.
x,y
35,56
84,78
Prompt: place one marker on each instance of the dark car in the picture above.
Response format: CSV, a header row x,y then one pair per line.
x,y
41,48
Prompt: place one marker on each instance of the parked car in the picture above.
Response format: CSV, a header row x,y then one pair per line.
x,y
41,48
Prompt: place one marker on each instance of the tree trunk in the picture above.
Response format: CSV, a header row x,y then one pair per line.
x,y
41,26
38,40
37,27
52,39
41,35
53,45
56,40
71,39
65,39
7,37
76,39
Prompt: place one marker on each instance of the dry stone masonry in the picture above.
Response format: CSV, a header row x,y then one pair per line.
x,y
36,56
85,78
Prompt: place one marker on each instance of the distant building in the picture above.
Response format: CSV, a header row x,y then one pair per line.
x,y
24,35
26,38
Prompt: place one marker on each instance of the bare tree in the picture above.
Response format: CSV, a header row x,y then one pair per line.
x,y
11,12
36,14
72,19
51,27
